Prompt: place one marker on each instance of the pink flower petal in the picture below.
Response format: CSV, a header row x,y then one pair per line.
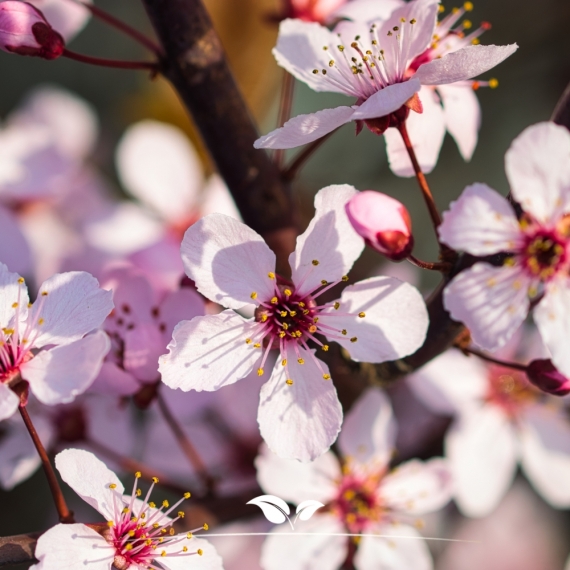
x,y
58,375
538,168
115,381
9,402
14,248
463,64
210,352
368,10
12,291
181,305
480,222
394,325
228,261
143,345
209,560
330,240
302,420
65,17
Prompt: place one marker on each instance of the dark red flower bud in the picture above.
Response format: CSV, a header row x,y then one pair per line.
x,y
544,375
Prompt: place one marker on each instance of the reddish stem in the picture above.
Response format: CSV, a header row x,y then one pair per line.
x,y
65,515
101,62
121,26
285,104
185,444
426,192
443,266
486,357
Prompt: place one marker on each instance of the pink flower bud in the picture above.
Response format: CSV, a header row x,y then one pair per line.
x,y
25,31
383,222
545,376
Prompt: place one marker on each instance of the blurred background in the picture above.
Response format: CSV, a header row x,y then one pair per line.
x,y
524,533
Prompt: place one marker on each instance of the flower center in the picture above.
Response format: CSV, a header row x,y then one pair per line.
x,y
510,390
543,254
358,503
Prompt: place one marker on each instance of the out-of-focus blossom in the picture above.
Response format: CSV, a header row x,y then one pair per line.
x,y
312,10
299,412
360,495
383,64
134,537
494,301
500,420
68,307
139,329
66,16
383,222
24,30
544,375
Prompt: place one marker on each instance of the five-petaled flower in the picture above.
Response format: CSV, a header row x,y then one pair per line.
x,y
375,320
491,300
378,63
45,343
361,496
139,536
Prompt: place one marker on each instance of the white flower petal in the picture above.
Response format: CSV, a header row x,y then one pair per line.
x,y
482,452
217,199
552,317
463,64
11,292
404,550
160,167
304,129
426,131
209,352
480,222
58,375
369,430
73,306
73,546
14,249
9,402
491,301
418,487
387,100
90,478
394,325
297,482
228,261
318,552
330,239
450,383
302,420
368,10
462,114
545,450
538,168
208,560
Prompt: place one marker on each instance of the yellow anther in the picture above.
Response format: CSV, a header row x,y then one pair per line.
x,y
44,293
285,326
284,362
257,345
468,6
475,41
14,305
110,524
324,282
413,21
263,318
131,533
152,505
283,313
327,376
189,535
155,525
247,341
301,304
509,262
253,295
41,321
312,329
20,280
343,332
345,277
125,510
306,311
467,24
292,313
171,532
165,504
260,371
362,314
138,474
300,361
274,300
129,546
205,527
29,305
138,493
181,514
353,339
155,480
187,495
113,486
340,47
493,83
288,292
316,71
163,553
315,262
325,347
143,515
282,334
199,552
289,382
271,275
455,10
336,306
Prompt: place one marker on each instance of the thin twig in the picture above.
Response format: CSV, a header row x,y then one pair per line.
x,y
102,62
493,360
299,161
424,187
442,266
285,104
65,515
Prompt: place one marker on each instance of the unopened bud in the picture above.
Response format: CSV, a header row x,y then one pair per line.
x,y
547,378
25,31
383,222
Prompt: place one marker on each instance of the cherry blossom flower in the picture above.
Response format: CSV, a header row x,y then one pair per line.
x,y
375,320
68,307
494,301
378,63
138,535
312,10
361,496
139,329
500,420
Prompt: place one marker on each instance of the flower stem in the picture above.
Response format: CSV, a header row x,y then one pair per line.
x,y
442,266
426,192
101,62
65,515
121,26
186,445
486,357
291,171
285,104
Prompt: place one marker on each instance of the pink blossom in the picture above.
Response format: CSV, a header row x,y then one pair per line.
x,y
380,64
68,307
137,536
383,222
299,412
66,16
312,10
25,31
494,301
361,496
